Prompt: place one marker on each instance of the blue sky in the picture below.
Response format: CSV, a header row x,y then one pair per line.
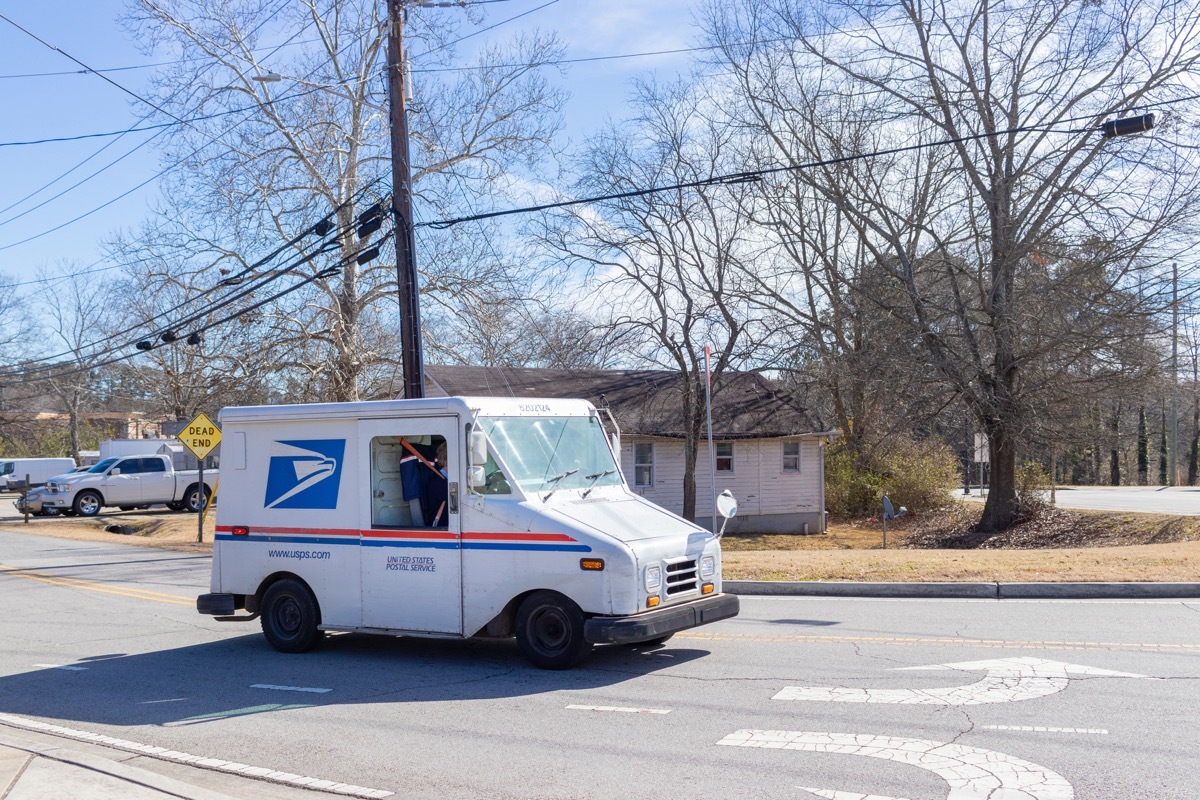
x,y
79,103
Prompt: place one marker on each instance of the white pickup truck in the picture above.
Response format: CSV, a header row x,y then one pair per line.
x,y
128,482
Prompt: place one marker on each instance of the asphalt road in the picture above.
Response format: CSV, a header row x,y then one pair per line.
x,y
1047,699
1178,500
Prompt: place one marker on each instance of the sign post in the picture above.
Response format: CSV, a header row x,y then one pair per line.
x,y
201,437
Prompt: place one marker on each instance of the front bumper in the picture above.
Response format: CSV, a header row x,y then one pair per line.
x,y
34,504
660,622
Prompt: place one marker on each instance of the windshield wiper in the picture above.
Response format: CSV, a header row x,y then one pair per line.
x,y
595,476
555,480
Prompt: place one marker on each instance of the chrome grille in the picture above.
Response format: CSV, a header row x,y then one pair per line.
x,y
681,576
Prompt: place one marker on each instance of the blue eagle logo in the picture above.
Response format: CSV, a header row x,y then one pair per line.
x,y
305,474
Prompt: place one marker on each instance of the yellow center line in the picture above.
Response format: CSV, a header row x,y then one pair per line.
x,y
92,586
913,640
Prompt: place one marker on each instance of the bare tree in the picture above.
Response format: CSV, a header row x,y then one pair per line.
x,y
76,324
662,267
265,162
983,224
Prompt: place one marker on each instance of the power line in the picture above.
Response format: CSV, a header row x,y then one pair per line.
x,y
41,189
751,176
232,280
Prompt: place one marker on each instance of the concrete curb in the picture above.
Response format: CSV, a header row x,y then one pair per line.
x,y
135,776
988,591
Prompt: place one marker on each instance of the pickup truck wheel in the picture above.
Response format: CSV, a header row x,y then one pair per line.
x,y
290,616
550,631
87,504
195,499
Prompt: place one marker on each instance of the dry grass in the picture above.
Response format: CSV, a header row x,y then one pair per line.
x,y
153,528
1061,546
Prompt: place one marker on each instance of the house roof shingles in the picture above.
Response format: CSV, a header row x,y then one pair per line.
x,y
644,402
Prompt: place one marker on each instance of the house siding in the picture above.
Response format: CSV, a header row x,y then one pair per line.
x,y
769,499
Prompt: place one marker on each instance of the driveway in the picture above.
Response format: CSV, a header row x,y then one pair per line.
x,y
1176,500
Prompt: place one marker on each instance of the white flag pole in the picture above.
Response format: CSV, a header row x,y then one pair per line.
x,y
712,458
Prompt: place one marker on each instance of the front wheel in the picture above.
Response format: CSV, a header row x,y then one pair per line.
x,y
87,504
290,616
550,631
196,498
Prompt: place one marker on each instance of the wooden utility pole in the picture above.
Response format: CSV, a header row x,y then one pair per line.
x,y
406,268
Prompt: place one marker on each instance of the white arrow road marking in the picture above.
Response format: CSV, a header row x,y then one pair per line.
x,y
971,772
1007,680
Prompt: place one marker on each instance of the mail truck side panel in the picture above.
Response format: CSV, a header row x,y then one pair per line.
x,y
315,536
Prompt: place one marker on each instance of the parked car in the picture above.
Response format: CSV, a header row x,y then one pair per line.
x,y
129,482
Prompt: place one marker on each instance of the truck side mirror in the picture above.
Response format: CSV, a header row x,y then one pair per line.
x,y
727,508
478,449
476,477
727,504
114,472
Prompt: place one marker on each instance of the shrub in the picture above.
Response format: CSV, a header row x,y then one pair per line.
x,y
1033,489
918,475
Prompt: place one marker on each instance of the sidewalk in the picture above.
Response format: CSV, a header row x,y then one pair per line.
x,y
38,767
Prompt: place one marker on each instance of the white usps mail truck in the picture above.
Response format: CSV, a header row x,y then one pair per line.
x,y
450,517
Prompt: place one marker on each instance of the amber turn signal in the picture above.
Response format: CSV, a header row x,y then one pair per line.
x,y
591,563
706,589
651,601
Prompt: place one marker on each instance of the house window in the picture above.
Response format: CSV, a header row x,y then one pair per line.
x,y
643,464
791,456
724,456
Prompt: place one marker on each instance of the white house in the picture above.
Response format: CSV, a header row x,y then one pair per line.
x,y
766,450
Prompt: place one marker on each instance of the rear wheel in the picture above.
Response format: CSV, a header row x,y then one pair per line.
x,y
195,499
87,504
550,631
290,616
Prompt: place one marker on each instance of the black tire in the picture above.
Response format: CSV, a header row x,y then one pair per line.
x,y
290,616
550,631
87,503
195,498
127,508
177,506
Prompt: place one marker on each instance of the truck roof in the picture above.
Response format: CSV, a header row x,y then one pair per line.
x,y
368,409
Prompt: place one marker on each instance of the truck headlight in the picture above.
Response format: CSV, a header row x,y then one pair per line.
x,y
653,578
708,566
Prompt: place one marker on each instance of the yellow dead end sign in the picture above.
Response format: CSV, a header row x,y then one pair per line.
x,y
201,436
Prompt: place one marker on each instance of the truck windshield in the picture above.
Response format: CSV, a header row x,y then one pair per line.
x,y
6,468
546,453
103,465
